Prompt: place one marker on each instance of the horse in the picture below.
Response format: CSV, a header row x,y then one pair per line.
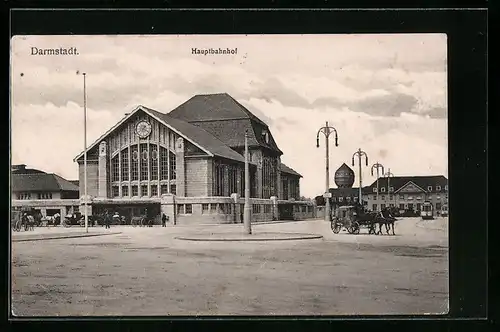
x,y
31,223
385,218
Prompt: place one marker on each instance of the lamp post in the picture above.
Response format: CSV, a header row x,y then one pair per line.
x,y
360,155
85,151
377,166
327,130
389,175
247,209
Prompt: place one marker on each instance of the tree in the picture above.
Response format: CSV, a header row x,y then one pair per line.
x,y
320,200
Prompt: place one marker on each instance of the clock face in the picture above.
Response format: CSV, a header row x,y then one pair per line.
x,y
143,129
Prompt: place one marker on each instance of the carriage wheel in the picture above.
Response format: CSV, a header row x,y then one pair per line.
x,y
355,228
336,227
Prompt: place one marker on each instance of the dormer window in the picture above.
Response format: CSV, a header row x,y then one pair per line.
x,y
438,188
374,190
446,187
391,189
382,189
429,188
265,136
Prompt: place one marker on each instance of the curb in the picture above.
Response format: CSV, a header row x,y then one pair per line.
x,y
291,237
63,237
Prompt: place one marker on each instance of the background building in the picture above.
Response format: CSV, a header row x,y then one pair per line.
x,y
46,193
404,192
152,162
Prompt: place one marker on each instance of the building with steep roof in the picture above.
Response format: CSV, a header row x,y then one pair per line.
x,y
151,161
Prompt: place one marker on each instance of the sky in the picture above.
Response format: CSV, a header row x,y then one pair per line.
x,y
385,94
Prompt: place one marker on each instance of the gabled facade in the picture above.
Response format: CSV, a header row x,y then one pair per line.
x,y
195,151
408,192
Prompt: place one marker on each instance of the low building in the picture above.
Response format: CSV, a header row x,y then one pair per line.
x,y
41,192
408,192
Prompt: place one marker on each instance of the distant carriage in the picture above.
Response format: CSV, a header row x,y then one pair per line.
x,y
427,211
352,219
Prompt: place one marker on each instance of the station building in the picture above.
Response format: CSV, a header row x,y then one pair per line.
x,y
189,165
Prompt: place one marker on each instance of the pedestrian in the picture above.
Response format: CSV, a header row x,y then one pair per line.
x,y
163,220
107,219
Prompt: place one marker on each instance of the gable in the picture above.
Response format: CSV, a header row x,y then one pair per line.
x,y
123,134
410,187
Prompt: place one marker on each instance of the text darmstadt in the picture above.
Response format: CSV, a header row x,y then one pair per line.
x,y
214,51
54,51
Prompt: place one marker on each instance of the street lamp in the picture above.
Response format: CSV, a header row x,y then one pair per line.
x,y
360,154
85,150
247,209
389,175
327,130
377,166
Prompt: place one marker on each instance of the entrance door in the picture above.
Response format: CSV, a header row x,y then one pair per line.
x,y
285,211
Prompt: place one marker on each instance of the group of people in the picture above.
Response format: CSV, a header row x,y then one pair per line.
x,y
117,219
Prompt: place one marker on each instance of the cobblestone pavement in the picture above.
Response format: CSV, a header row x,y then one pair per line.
x,y
145,271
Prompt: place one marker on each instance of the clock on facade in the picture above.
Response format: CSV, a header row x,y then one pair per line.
x,y
143,129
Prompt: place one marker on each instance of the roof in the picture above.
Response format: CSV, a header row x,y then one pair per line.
x,y
225,118
200,136
423,182
288,170
41,182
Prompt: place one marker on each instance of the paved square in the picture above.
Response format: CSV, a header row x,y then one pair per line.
x,y
146,271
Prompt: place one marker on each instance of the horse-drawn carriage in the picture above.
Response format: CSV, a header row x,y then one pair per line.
x,y
353,218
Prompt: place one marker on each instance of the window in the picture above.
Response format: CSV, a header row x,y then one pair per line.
x,y
124,157
163,163
154,163
124,191
348,198
267,208
213,207
222,207
204,208
401,197
438,188
419,207
391,189
256,208
438,206
374,207
135,191
189,208
334,199
172,166
374,190
144,162
116,191
24,196
180,208
76,209
44,196
391,205
115,169
429,188
341,199
382,197
173,189
410,206
135,167
419,197
144,190
382,189
410,197
401,206
303,208
164,189
391,197
382,206
154,190
446,187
